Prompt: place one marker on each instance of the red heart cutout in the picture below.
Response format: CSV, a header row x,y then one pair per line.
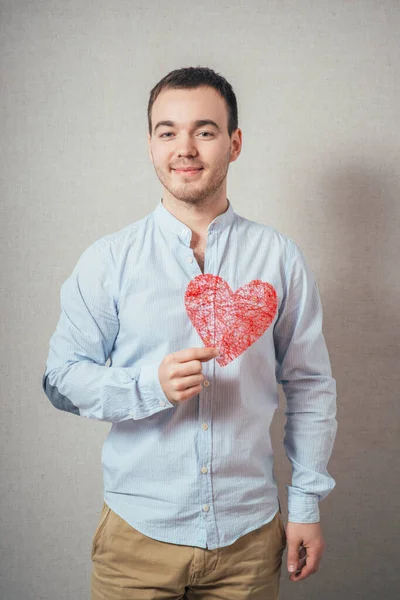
x,y
230,321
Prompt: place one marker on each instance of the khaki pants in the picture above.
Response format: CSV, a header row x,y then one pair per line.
x,y
128,565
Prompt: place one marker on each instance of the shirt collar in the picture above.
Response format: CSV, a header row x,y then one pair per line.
x,y
167,220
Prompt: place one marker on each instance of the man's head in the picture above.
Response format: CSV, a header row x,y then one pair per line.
x,y
193,122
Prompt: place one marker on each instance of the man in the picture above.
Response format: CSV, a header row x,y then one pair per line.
x,y
201,313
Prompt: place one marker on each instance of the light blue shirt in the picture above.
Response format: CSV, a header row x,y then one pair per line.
x,y
198,473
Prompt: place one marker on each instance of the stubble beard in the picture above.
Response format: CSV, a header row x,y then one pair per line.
x,y
193,193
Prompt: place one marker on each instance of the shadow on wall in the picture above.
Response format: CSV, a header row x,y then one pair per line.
x,y
357,208
361,204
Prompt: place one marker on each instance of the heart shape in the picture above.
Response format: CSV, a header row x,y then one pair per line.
x,y
231,321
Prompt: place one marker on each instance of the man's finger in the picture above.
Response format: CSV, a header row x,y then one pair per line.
x,y
305,572
293,556
313,559
202,354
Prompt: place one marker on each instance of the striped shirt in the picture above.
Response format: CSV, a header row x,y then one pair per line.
x,y
200,472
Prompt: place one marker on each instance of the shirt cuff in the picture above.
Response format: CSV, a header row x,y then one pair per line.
x,y
302,508
150,386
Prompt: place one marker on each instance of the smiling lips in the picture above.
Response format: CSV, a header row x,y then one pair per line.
x,y
188,170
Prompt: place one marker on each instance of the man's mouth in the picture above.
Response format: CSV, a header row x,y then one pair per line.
x,y
188,171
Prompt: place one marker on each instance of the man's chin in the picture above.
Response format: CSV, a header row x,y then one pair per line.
x,y
184,195
188,199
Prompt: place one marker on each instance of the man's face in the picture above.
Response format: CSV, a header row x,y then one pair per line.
x,y
185,143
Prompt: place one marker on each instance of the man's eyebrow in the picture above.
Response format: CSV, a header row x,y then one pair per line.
x,y
198,123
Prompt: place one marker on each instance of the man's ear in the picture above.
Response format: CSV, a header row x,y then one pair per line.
x,y
148,143
237,145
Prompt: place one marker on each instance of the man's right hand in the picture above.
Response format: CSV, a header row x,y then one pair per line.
x,y
180,373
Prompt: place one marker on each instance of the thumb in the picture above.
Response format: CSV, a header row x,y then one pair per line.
x,y
293,556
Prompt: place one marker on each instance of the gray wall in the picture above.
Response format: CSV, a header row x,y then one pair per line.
x,y
318,90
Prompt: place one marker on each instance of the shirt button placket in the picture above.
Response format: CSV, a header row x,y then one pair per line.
x,y
204,469
210,261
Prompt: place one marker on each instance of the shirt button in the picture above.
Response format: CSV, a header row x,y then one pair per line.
x,y
205,426
206,383
162,403
183,232
206,508
132,414
190,259
204,469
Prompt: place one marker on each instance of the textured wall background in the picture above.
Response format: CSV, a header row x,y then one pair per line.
x,y
318,88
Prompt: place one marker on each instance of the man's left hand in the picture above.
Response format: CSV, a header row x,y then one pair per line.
x,y
310,536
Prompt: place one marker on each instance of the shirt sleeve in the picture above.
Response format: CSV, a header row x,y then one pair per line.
x,y
76,378
303,369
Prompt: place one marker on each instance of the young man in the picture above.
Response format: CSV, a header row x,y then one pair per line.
x,y
201,312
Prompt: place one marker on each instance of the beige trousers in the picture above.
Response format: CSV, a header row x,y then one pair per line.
x,y
128,565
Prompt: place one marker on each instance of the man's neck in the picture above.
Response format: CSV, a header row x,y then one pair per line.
x,y
197,218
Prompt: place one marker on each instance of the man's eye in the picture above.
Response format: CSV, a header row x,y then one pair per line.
x,y
201,133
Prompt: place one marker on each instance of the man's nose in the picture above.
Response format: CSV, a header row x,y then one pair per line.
x,y
186,146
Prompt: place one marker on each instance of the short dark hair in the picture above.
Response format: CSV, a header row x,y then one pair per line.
x,y
193,77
